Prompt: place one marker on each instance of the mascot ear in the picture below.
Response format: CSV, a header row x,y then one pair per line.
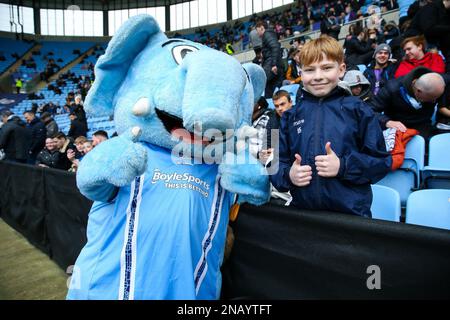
x,y
257,78
112,67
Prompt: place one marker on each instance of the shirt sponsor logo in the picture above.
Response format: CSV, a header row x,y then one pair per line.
x,y
186,180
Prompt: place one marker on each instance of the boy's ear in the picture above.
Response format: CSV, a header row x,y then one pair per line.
x,y
342,69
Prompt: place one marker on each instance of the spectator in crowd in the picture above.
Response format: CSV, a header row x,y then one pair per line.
x,y
78,109
14,137
260,117
63,144
416,56
77,127
87,146
79,144
390,31
409,101
293,73
50,124
282,102
38,133
381,69
98,137
359,48
330,26
76,155
359,85
19,85
271,55
331,145
433,21
443,114
49,156
255,40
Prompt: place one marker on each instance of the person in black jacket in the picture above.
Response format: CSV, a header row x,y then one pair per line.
x,y
50,124
331,144
409,101
14,137
49,156
38,133
359,48
271,55
77,127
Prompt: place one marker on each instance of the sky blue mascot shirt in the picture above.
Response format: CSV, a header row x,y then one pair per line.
x,y
162,237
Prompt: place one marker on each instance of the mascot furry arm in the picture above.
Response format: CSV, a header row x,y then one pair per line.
x,y
157,228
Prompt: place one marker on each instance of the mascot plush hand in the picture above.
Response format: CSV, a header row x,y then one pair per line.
x,y
164,186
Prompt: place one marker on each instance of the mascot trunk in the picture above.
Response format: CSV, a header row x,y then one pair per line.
x,y
158,225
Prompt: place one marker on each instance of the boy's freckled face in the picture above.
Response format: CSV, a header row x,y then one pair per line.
x,y
319,78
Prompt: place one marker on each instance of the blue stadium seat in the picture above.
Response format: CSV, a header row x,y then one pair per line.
x,y
407,177
385,204
292,89
362,67
429,208
437,174
270,103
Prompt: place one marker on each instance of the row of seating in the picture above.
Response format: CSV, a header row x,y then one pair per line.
x,y
414,175
429,208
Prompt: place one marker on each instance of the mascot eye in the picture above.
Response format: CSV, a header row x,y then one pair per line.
x,y
179,52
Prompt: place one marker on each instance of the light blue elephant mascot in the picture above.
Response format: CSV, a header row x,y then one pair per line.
x,y
164,186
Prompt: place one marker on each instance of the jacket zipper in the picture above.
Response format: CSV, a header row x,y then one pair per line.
x,y
317,128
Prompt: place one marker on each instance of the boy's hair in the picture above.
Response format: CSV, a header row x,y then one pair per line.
x,y
313,51
80,139
281,93
417,40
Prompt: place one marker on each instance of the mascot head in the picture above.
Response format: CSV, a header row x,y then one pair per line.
x,y
171,87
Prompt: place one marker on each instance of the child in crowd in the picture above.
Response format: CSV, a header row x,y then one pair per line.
x,y
331,144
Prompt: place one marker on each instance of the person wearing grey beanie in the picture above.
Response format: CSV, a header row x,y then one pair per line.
x,y
381,69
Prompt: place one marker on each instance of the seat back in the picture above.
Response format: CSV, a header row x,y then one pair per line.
x,y
407,177
292,89
385,203
429,208
439,152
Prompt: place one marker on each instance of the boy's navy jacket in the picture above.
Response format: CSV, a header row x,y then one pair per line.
x,y
356,138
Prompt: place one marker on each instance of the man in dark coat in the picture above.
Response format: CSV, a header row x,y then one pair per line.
x,y
14,138
38,133
77,127
409,101
271,55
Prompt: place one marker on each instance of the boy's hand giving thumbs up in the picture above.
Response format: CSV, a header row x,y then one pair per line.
x,y
328,165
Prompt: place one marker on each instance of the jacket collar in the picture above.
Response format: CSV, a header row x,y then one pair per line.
x,y
340,90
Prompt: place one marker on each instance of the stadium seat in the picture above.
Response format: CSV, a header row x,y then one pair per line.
x,y
429,208
292,89
385,204
437,174
407,177
362,67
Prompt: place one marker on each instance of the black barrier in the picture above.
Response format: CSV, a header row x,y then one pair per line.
x,y
46,207
279,252
22,201
282,253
